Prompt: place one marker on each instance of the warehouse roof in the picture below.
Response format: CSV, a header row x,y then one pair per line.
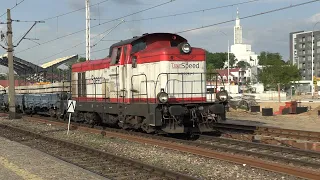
x,y
22,67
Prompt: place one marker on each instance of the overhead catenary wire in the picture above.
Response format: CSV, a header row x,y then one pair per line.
x,y
17,4
223,22
108,30
116,19
70,12
158,17
245,17
250,16
63,14
65,50
188,12
99,50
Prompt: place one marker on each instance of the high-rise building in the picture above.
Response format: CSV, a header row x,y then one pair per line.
x,y
301,52
242,51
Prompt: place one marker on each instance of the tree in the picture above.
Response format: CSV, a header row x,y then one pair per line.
x,y
268,58
271,75
3,77
276,70
232,60
210,70
217,60
70,63
243,64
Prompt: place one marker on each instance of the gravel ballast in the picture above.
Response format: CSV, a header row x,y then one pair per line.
x,y
200,167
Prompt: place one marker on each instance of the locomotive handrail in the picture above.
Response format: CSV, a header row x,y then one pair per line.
x,y
191,93
136,75
182,80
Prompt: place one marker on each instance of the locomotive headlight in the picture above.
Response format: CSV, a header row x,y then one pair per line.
x,y
222,96
185,48
163,97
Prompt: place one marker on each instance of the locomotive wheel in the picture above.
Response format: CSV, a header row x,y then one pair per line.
x,y
112,120
146,127
122,121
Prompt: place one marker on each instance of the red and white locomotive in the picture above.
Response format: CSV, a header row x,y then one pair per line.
x,y
154,82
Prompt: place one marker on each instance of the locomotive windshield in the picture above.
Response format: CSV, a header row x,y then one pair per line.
x,y
174,43
139,46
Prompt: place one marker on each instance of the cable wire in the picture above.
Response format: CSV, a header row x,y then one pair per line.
x,y
97,25
223,22
250,16
189,12
53,17
96,51
83,42
60,15
17,4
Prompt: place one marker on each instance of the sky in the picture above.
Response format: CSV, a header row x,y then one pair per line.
x,y
269,32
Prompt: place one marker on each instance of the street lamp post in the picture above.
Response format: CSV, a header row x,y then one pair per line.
x,y
312,46
228,68
228,62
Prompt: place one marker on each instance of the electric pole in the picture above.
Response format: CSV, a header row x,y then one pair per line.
x,y
12,105
88,44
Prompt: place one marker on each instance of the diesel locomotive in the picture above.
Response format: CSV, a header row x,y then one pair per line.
x,y
153,82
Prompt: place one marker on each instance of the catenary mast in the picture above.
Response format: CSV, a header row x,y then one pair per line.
x,y
88,44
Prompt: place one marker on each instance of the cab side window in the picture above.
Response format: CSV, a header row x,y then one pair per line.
x,y
116,54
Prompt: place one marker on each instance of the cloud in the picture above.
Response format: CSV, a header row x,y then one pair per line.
x,y
279,1
273,38
128,2
94,10
314,19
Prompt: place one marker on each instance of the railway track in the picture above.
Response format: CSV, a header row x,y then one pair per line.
x,y
269,152
217,150
102,163
271,132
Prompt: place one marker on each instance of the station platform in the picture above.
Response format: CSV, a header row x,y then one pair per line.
x,y
18,162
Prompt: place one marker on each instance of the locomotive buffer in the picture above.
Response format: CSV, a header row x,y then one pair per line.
x,y
71,108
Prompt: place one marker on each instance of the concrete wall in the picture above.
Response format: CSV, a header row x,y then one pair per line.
x,y
234,89
266,96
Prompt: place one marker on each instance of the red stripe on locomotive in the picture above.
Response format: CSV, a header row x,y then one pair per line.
x,y
136,100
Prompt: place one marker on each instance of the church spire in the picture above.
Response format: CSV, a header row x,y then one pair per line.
x,y
237,30
237,13
237,18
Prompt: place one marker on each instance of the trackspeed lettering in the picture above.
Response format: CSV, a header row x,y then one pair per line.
x,y
185,66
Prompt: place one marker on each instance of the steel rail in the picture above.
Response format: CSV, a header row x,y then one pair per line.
x,y
233,158
244,147
289,133
271,131
101,157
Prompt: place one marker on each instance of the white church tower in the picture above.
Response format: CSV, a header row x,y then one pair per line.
x,y
241,50
237,30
